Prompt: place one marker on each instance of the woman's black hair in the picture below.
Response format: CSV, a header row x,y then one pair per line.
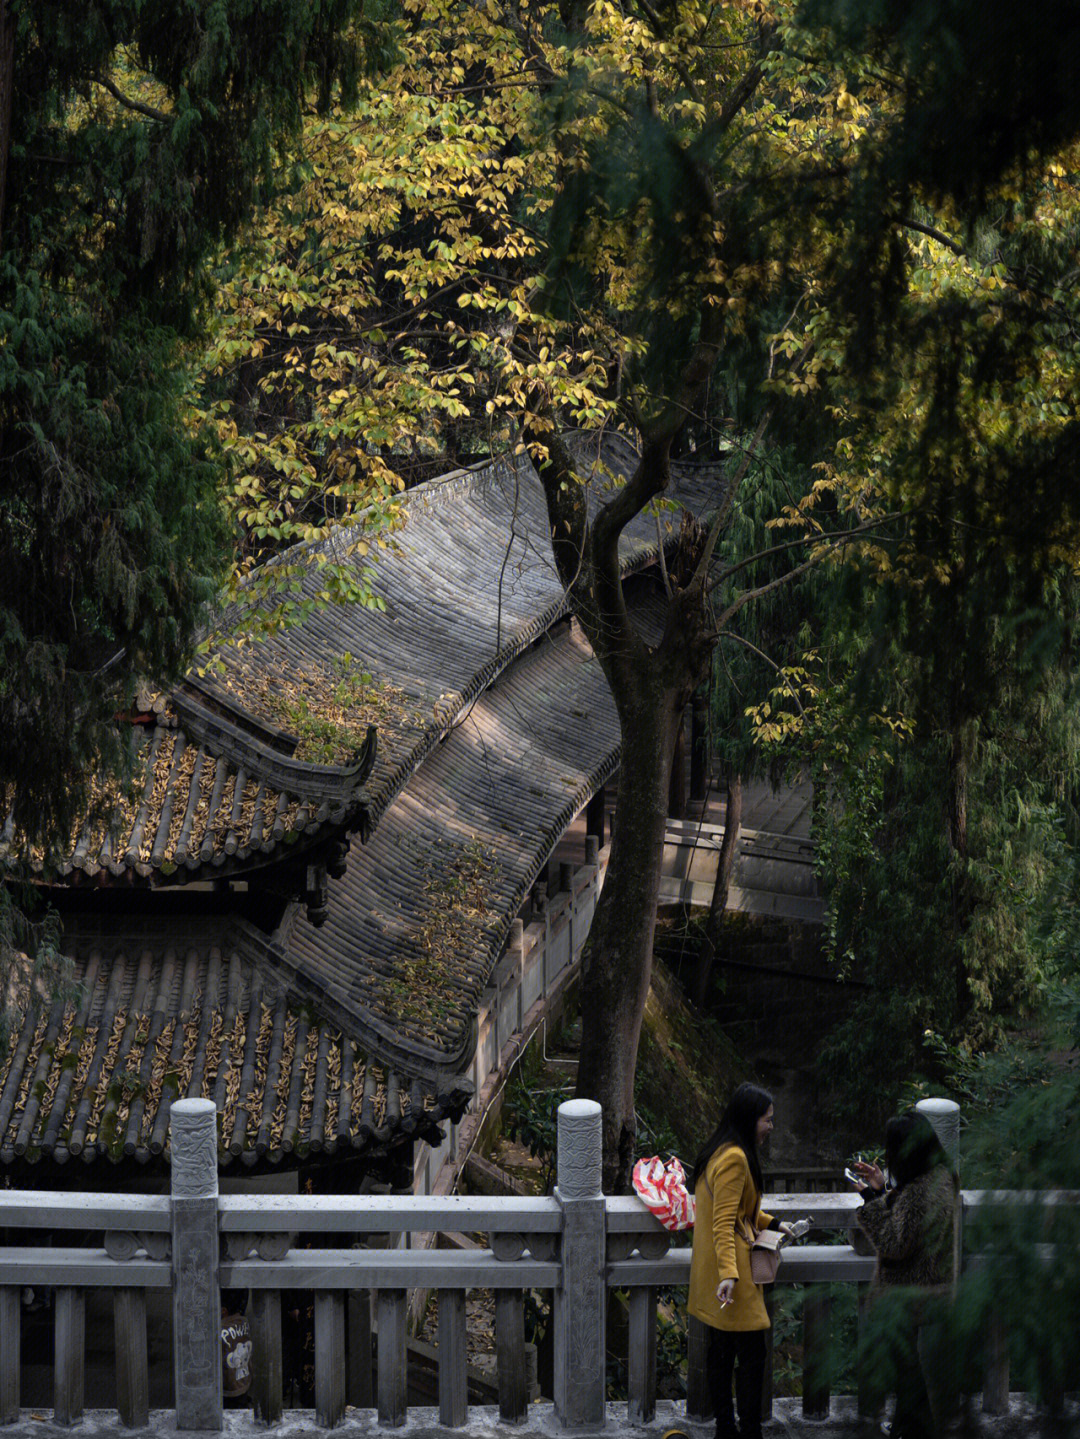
x,y
738,1125
912,1148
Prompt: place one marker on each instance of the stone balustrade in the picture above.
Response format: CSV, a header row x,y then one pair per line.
x,y
575,1244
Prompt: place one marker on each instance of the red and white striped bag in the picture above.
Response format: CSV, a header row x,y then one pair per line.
x,y
662,1188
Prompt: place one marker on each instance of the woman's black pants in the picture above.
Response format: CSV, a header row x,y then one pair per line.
x,y
740,1352
913,1417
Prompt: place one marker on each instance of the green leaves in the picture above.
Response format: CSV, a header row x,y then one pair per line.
x,y
138,141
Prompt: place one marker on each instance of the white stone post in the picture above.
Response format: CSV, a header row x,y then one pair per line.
x,y
580,1301
944,1117
196,1291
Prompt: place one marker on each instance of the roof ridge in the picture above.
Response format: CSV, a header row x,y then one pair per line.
x,y
415,1060
393,890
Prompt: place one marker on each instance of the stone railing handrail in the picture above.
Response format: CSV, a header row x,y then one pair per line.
x,y
95,1268
404,1213
389,1213
803,1264
390,1269
975,1199
43,1209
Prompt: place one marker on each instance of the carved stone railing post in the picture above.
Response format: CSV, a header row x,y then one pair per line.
x,y
196,1292
944,1117
580,1301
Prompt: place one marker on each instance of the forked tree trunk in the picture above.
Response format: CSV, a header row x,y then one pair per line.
x,y
725,868
650,682
617,972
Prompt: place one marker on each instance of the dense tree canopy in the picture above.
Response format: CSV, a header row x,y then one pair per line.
x,y
718,228
952,309
679,220
134,138
546,218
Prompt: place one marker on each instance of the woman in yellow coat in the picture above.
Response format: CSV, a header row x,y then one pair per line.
x,y
727,1185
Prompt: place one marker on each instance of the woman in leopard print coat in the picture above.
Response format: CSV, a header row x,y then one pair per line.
x,y
912,1225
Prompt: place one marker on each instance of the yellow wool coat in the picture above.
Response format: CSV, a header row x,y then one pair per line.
x,y
728,1204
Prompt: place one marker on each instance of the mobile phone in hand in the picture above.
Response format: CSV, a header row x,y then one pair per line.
x,y
852,1177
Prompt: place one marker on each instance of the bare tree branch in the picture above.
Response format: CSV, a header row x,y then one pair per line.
x,y
663,558
748,595
723,513
950,244
731,635
130,104
834,542
832,539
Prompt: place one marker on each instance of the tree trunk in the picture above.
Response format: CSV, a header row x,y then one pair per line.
x,y
699,744
7,90
958,768
725,868
651,683
957,824
677,788
618,969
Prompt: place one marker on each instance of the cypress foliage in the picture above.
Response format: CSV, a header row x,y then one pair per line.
x,y
140,135
945,858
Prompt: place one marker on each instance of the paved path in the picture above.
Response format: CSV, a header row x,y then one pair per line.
x,y
774,872
483,1423
775,876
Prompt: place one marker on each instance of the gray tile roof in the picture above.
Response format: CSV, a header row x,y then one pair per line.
x,y
417,924
468,586
205,800
175,1008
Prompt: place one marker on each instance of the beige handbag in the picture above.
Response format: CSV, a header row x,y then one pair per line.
x,y
765,1254
766,1249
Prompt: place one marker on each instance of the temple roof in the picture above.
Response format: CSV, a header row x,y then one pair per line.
x,y
418,922
495,727
206,799
168,1009
468,584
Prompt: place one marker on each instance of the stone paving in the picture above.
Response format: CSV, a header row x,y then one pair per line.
x,y
422,1423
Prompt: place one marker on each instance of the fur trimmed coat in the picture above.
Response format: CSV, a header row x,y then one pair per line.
x,y
913,1231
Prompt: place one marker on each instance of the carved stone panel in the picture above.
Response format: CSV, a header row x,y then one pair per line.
x,y
580,1309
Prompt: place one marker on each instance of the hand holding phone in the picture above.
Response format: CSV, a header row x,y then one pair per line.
x,y
852,1178
866,1175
